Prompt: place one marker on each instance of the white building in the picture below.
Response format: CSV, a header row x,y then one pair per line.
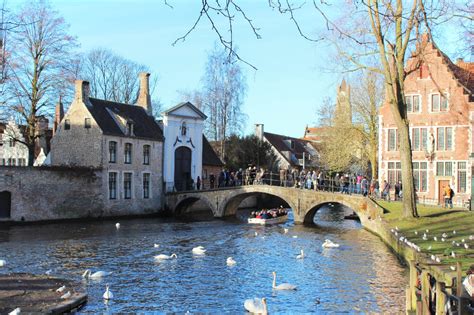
x,y
12,151
183,127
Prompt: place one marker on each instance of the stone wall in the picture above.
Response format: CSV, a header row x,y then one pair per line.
x,y
54,193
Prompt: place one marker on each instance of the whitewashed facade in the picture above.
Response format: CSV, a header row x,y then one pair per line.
x,y
183,128
12,152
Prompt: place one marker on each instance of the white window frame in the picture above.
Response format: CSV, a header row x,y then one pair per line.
x,y
430,96
420,103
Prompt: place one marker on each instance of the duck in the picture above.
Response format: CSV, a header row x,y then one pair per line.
x,y
95,275
67,295
301,255
452,268
16,311
282,286
3,262
117,225
256,306
230,261
165,257
108,295
61,289
329,244
199,250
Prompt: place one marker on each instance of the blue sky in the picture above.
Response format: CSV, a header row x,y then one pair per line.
x,y
283,93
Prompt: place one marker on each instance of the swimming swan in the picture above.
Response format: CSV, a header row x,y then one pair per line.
x,y
95,275
329,244
108,295
256,306
117,225
300,256
165,257
199,250
66,296
61,289
282,286
16,311
231,261
3,262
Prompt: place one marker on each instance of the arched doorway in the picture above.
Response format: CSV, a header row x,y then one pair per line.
x,y
182,169
5,204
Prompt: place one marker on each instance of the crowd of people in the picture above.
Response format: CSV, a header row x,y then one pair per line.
x,y
269,214
307,179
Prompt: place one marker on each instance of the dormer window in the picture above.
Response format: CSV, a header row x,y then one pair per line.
x,y
129,131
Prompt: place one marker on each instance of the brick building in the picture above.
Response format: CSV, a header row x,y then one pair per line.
x,y
439,98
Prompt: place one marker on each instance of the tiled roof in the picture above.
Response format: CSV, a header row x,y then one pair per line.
x,y
144,126
209,156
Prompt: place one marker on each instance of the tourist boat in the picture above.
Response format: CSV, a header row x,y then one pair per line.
x,y
280,219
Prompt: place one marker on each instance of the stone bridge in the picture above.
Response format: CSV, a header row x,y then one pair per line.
x,y
304,203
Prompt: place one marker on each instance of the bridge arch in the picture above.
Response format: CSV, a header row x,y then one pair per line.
x,y
230,204
309,216
187,202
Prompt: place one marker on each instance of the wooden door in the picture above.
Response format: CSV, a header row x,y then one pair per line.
x,y
441,186
182,169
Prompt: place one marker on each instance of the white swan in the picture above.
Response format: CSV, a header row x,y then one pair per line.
x,y
230,261
108,295
16,311
256,306
165,257
66,296
282,286
300,256
3,262
95,275
199,250
285,230
49,271
156,245
330,244
117,225
61,289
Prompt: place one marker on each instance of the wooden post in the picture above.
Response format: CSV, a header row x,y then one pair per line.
x,y
425,296
440,297
458,278
412,284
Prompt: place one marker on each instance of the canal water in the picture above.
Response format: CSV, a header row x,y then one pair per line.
x,y
360,276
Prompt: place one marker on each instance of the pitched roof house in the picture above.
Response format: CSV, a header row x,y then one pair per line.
x,y
291,152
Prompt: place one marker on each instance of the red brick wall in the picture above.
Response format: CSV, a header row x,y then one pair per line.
x,y
458,116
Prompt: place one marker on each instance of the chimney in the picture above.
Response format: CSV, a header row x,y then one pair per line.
x,y
82,92
259,131
58,116
144,99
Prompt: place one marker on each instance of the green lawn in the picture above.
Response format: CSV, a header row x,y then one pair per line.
x,y
437,221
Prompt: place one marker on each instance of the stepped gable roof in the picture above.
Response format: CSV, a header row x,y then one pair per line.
x,y
209,156
144,125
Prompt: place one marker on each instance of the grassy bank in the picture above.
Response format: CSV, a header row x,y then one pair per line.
x,y
434,221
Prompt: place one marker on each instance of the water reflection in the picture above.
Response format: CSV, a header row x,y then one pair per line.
x,y
360,276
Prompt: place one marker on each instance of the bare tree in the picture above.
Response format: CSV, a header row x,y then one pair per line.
x,y
40,54
113,77
367,97
224,87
